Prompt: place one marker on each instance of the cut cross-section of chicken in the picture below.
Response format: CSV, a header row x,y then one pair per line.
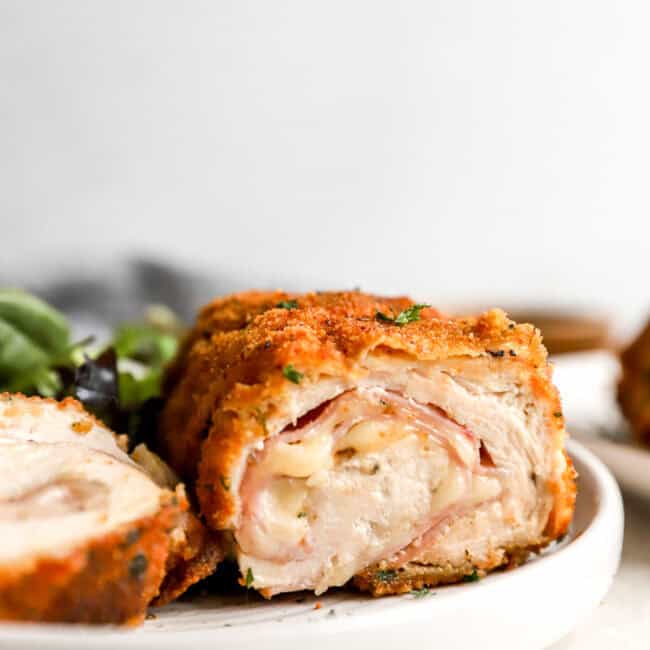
x,y
87,535
330,445
354,486
53,495
33,419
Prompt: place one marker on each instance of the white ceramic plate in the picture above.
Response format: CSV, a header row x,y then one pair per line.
x,y
528,608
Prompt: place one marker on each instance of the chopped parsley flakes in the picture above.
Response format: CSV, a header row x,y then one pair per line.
x,y
138,565
248,581
409,315
287,304
386,575
472,577
292,374
132,537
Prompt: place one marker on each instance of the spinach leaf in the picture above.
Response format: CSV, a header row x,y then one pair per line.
x,y
43,325
18,353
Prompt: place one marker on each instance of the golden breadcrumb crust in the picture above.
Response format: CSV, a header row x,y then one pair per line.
x,y
384,580
236,311
634,385
232,378
110,579
197,557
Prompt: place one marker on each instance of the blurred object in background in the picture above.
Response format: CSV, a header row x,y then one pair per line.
x,y
566,332
634,386
95,300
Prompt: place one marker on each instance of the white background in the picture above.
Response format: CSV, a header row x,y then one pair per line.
x,y
470,151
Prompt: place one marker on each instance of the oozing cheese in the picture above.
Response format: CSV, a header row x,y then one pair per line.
x,y
372,435
451,489
300,459
283,507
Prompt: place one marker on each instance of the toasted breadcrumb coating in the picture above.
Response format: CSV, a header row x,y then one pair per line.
x,y
196,556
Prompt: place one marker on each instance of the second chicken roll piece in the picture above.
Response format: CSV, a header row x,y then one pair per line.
x,y
340,436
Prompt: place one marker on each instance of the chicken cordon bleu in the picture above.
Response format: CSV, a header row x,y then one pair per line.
x,y
634,385
340,436
86,534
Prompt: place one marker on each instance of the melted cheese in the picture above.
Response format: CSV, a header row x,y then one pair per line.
x,y
300,459
283,506
372,435
451,489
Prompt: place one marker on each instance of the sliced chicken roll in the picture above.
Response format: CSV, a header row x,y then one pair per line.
x,y
87,535
342,436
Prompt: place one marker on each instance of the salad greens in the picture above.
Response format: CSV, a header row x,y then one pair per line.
x,y
119,382
292,374
144,349
287,304
34,341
